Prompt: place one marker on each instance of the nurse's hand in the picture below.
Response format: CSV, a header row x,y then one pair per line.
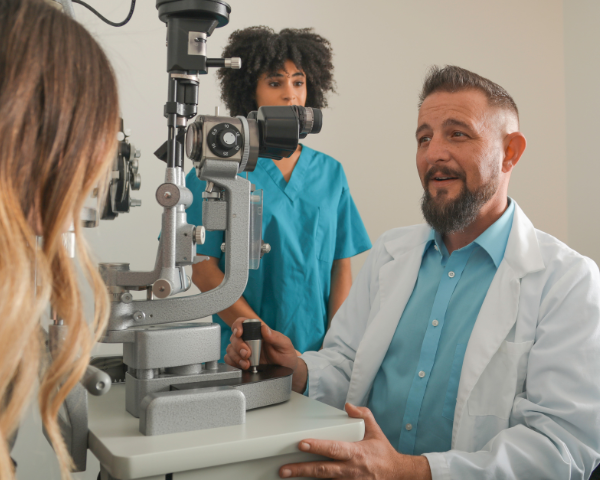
x,y
371,458
277,349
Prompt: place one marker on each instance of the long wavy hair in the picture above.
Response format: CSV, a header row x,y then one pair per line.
x,y
58,125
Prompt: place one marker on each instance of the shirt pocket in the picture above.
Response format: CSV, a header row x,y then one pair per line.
x,y
326,233
303,319
453,381
501,381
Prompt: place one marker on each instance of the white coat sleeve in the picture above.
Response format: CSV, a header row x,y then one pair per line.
x,y
554,430
330,369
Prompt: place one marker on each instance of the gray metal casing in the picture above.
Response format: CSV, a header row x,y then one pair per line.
x,y
173,345
215,214
188,410
270,392
137,389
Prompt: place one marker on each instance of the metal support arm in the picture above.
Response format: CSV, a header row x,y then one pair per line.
x,y
152,312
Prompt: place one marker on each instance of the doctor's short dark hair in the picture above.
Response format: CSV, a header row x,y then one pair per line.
x,y
455,79
264,51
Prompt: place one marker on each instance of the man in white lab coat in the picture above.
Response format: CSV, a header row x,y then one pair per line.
x,y
474,341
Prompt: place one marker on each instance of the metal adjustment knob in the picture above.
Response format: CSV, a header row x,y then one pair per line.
x,y
199,235
235,63
96,381
136,182
135,202
253,337
126,297
162,288
264,248
223,247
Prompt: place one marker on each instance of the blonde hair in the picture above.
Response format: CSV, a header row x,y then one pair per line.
x,y
58,125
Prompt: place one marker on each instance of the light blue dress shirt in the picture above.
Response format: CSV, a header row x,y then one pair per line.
x,y
414,392
309,222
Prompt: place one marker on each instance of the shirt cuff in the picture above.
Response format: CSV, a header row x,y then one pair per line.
x,y
306,390
439,467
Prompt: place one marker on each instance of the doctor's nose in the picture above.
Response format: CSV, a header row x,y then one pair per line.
x,y
437,152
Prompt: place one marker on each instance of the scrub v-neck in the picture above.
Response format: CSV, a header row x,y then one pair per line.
x,y
292,188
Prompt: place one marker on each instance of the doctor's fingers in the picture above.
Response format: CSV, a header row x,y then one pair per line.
x,y
334,449
277,341
237,327
237,353
372,428
334,470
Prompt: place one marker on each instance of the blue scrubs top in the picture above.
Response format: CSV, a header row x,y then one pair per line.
x,y
414,393
309,222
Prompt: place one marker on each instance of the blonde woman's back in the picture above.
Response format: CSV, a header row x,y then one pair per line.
x,y
59,104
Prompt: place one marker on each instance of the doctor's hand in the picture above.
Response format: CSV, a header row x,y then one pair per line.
x,y
277,349
372,458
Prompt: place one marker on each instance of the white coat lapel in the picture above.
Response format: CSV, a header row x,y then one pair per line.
x,y
496,317
396,283
499,310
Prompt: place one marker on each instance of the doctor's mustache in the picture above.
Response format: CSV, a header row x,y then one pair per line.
x,y
441,171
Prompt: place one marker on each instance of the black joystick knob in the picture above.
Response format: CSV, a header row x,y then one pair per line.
x,y
253,337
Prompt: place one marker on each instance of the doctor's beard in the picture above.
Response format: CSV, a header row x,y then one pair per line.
x,y
452,216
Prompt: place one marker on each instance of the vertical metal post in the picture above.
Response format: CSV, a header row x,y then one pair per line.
x,y
172,122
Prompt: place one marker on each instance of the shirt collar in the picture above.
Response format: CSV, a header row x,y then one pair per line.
x,y
434,240
493,240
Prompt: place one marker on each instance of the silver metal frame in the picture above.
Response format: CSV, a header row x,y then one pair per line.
x,y
175,233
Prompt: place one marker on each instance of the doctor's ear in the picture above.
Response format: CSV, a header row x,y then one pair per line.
x,y
515,145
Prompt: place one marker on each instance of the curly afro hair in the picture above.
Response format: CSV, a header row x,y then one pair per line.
x,y
264,51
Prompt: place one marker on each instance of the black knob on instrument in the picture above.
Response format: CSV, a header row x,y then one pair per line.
x,y
253,337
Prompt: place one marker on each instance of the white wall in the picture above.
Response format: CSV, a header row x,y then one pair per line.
x,y
582,73
381,56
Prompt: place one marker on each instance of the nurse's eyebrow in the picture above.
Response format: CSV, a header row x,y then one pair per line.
x,y
297,74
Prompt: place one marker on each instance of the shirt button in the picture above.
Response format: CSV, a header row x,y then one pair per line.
x,y
421,374
451,274
408,427
435,323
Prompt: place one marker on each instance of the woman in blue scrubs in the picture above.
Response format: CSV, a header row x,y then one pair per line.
x,y
309,217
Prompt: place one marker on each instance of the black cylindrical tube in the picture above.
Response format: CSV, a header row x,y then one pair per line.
x,y
179,140
215,62
172,121
317,120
